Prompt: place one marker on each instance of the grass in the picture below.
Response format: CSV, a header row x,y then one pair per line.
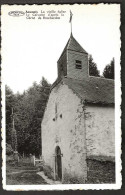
x,y
23,173
25,178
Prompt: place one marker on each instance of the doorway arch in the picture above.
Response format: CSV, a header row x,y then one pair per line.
x,y
58,163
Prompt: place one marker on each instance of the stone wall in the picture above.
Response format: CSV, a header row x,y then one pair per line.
x,y
100,172
72,72
63,126
100,131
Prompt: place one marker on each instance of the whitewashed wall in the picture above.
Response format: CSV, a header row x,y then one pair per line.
x,y
100,131
66,132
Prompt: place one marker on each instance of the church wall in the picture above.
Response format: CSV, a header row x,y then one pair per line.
x,y
100,140
100,132
72,72
66,130
62,65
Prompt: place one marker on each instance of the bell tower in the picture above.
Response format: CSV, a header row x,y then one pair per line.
x,y
73,62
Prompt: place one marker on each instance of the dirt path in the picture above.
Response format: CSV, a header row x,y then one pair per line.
x,y
23,174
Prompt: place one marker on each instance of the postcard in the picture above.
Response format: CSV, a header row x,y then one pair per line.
x,y
61,97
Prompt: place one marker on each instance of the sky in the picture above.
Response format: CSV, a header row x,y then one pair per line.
x,y
32,47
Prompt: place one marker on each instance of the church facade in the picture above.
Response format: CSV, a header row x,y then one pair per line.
x,y
78,132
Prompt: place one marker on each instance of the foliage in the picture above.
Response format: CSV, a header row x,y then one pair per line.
x,y
10,102
9,149
28,113
109,70
93,70
48,171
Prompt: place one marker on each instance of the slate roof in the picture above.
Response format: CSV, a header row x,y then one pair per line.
x,y
73,45
93,90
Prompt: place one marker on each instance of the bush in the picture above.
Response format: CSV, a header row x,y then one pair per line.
x,y
48,171
9,159
9,150
39,166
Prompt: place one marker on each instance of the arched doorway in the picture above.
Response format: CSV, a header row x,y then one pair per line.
x,y
58,163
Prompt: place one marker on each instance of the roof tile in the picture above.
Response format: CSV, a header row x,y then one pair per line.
x,y
93,89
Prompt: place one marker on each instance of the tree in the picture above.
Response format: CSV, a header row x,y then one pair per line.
x,y
10,102
29,109
13,134
109,70
28,113
93,70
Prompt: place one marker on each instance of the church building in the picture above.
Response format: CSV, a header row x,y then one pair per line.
x,y
78,127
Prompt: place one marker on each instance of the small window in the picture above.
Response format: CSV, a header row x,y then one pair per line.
x,y
78,64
